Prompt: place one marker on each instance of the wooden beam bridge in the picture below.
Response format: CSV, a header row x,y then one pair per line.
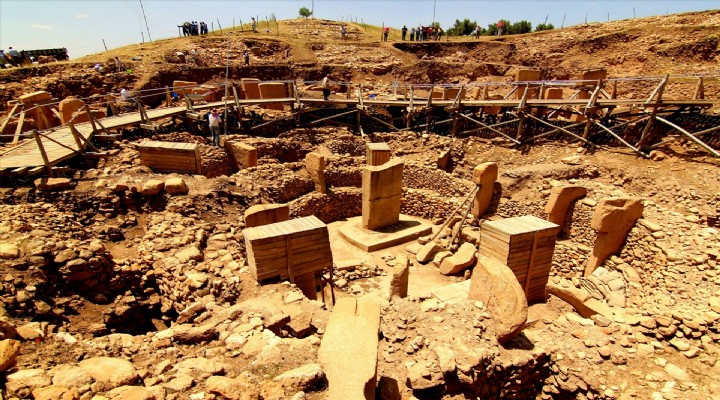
x,y
522,119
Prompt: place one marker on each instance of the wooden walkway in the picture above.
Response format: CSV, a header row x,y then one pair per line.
x,y
59,144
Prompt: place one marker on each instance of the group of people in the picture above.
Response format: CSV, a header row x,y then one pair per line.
x,y
194,28
422,33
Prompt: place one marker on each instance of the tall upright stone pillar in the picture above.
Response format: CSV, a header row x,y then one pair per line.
x,y
315,166
484,175
613,218
382,194
560,201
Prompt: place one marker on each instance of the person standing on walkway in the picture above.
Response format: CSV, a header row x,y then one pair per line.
x,y
246,57
325,88
412,33
386,33
404,32
214,122
253,25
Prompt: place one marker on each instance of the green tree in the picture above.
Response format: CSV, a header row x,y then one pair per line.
x,y
305,12
520,27
544,27
462,28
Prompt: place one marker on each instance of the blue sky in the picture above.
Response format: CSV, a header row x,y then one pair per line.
x,y
81,25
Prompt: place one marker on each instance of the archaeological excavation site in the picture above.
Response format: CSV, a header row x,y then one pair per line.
x,y
530,216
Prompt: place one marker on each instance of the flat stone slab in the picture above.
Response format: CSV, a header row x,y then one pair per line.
x,y
348,350
407,229
453,293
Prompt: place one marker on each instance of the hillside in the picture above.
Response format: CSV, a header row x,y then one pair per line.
x,y
684,44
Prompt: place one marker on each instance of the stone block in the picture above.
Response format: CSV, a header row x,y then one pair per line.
x,y
427,252
378,153
348,351
307,285
272,90
616,214
82,116
452,92
244,155
560,201
23,381
382,194
186,86
52,184
495,285
484,175
176,186
263,214
443,160
68,107
613,218
315,166
9,251
553,94
250,88
9,350
580,299
458,262
35,97
400,277
591,76
525,75
153,187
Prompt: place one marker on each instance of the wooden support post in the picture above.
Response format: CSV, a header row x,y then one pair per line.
x,y
613,95
80,136
7,120
563,130
39,113
141,111
689,135
490,128
48,167
621,140
591,108
521,115
92,121
699,90
531,265
168,97
75,134
658,91
19,128
411,107
349,90
111,104
188,101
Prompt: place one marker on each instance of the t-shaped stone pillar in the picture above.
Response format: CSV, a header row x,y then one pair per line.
x,y
378,153
561,198
315,166
613,218
484,175
382,194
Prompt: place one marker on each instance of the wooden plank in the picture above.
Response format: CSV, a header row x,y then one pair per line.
x,y
19,127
